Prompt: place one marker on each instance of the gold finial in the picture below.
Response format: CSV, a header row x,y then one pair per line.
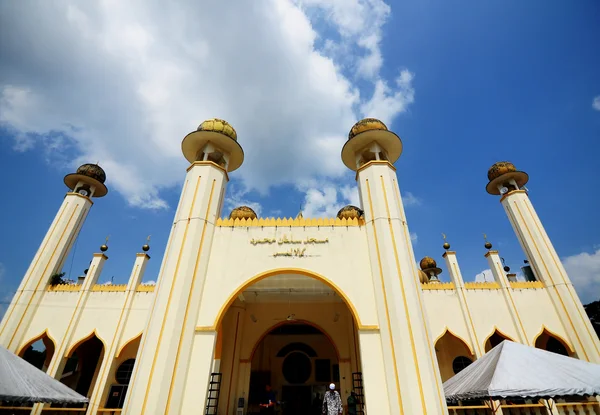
x,y
104,246
146,247
300,215
488,244
446,244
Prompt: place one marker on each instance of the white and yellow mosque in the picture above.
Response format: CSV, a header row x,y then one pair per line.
x,y
242,302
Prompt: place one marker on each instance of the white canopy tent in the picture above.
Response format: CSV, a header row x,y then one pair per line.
x,y
512,370
23,382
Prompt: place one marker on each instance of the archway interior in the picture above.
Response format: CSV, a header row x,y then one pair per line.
x,y
494,340
453,355
548,342
81,368
297,335
39,353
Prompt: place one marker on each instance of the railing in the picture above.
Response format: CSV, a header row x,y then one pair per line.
x,y
570,408
469,410
26,410
578,408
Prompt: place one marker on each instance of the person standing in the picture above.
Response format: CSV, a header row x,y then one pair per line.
x,y
267,405
352,403
332,402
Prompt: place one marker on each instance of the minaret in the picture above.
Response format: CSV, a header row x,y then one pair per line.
x,y
164,356
85,184
412,376
505,180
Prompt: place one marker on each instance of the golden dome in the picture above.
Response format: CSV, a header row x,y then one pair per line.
x,y
423,277
242,212
500,168
350,212
90,174
367,124
427,263
92,170
218,126
446,246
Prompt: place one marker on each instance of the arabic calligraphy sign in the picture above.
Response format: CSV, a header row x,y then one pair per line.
x,y
285,240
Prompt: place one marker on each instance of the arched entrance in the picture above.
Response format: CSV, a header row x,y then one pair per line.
x,y
292,332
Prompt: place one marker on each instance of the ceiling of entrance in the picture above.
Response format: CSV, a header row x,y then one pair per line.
x,y
289,288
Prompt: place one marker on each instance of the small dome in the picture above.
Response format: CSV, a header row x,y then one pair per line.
x,y
242,212
350,212
92,170
218,126
427,263
367,124
423,277
500,168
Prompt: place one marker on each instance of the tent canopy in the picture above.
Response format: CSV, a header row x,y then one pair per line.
x,y
23,382
515,370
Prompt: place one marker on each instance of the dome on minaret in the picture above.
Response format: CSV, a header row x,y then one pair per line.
x,y
430,268
427,263
215,141
87,175
501,174
350,212
370,140
242,212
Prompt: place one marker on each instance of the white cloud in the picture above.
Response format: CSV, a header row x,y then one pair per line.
x,y
123,82
151,282
485,276
236,196
410,199
584,272
596,103
414,237
325,199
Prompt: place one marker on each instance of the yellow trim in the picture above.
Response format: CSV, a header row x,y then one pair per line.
x,y
145,288
387,313
500,332
187,307
278,271
109,288
526,285
170,297
74,347
448,331
208,163
40,336
401,282
205,329
437,286
78,195
512,192
42,276
430,345
373,328
563,276
486,285
468,310
448,252
488,253
372,162
548,274
556,336
65,287
155,299
128,342
288,222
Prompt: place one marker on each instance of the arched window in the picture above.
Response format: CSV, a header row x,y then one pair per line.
x,y
460,363
124,372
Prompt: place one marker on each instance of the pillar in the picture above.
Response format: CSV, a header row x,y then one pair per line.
x,y
459,285
59,360
100,390
495,264
49,259
506,181
410,368
170,344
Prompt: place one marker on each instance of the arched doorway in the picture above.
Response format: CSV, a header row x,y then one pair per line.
x,y
38,351
453,354
292,332
495,339
552,343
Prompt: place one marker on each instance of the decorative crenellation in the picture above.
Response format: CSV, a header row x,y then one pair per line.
x,y
524,285
65,287
110,287
486,285
272,222
145,288
438,286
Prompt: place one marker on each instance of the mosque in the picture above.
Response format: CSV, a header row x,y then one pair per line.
x,y
243,302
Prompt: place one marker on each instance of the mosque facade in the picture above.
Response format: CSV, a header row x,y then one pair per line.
x,y
242,302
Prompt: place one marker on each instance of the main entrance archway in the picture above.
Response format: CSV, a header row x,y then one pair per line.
x,y
292,332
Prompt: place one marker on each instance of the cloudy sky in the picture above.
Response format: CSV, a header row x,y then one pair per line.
x,y
464,84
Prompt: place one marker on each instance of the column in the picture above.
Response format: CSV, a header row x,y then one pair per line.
x,y
495,264
459,285
98,396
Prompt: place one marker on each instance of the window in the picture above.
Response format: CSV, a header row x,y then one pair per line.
x,y
460,363
124,371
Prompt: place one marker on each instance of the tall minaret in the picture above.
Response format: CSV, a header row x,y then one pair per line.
x,y
86,183
159,376
507,181
412,377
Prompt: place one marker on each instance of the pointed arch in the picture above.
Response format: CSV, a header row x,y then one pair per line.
x,y
128,342
499,333
557,337
41,336
279,271
450,332
48,353
83,340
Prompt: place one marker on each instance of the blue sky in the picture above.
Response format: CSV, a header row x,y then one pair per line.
x,y
482,82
